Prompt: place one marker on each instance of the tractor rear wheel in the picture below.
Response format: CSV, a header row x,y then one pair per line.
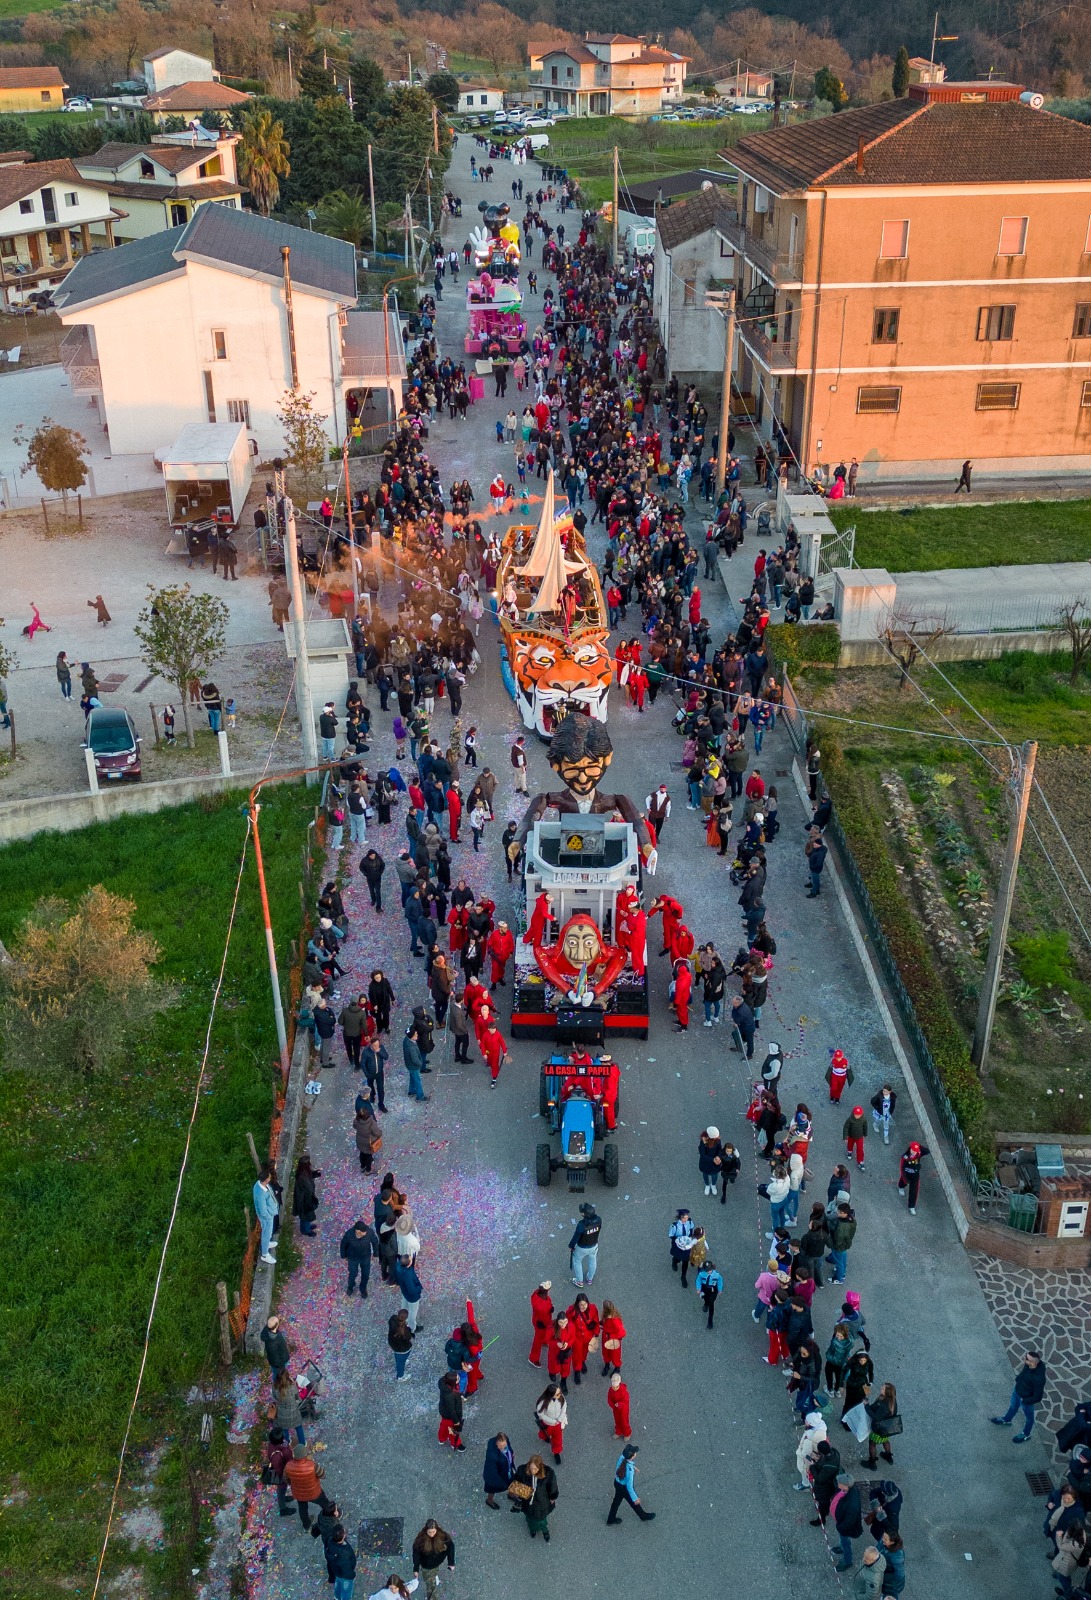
x,y
610,1167
543,1166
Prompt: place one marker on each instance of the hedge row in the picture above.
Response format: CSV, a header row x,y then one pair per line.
x,y
861,821
816,644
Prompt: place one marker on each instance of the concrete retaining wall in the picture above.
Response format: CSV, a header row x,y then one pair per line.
x,y
64,813
958,647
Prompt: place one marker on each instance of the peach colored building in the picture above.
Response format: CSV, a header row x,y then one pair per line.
x,y
609,73
914,285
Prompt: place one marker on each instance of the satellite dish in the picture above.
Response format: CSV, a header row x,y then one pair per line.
x,y
707,184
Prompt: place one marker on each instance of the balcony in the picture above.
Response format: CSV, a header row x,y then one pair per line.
x,y
777,265
79,362
774,352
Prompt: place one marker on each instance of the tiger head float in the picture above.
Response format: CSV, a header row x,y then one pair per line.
x,y
554,675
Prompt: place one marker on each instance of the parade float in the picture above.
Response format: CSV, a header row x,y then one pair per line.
x,y
581,968
495,241
494,316
553,622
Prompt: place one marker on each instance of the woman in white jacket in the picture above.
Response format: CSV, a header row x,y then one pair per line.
x,y
777,1191
813,1434
552,1414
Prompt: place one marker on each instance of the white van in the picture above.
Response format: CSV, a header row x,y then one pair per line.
x,y
640,238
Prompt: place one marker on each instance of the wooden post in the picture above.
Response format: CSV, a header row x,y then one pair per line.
x,y
45,515
79,508
253,1151
11,728
1022,782
155,723
246,1219
225,1324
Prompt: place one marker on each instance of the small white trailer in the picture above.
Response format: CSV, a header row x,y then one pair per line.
x,y
207,474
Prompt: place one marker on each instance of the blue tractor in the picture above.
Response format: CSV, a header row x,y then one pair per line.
x,y
578,1098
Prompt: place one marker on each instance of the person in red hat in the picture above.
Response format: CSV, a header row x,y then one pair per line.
x,y
617,1398
854,1133
838,1073
541,1318
909,1173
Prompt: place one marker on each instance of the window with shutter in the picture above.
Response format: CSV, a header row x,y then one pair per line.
x,y
895,241
881,398
997,397
1013,236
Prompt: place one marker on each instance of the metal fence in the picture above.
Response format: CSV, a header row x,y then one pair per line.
x,y
796,721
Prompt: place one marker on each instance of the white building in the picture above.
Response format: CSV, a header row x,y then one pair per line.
x,y
480,98
691,258
160,185
165,68
47,216
214,322
609,73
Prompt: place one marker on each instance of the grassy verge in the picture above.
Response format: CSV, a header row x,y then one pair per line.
x,y
88,1173
970,536
1040,1064
24,8
648,150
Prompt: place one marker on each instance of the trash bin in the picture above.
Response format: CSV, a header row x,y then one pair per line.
x,y
1023,1212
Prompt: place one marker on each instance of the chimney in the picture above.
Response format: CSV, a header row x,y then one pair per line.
x,y
860,155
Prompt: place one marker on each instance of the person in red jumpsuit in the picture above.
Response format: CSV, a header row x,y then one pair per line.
x,y
501,948
541,1320
683,988
583,1320
673,913
617,1398
454,810
475,997
559,1352
613,1333
694,607
838,1074
683,945
637,686
494,1050
475,1344
458,921
485,1014
540,919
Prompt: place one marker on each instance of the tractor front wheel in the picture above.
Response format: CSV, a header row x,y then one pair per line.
x,y
543,1166
610,1167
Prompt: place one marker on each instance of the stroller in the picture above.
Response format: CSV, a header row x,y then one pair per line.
x,y
312,1386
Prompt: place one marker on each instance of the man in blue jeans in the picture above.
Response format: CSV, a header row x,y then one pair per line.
x,y
414,1062
584,1246
816,853
1030,1386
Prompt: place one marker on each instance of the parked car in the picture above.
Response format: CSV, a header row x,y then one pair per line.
x,y
110,734
78,102
541,122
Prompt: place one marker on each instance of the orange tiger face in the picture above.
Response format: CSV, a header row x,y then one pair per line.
x,y
555,675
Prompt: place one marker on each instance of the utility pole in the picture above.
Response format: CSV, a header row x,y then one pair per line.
x,y
371,191
725,391
435,129
302,660
428,188
615,205
1022,781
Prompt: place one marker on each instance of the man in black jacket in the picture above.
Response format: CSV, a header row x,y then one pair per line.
x,y
276,1347
847,1518
373,866
823,1474
1030,1386
325,1024
358,1245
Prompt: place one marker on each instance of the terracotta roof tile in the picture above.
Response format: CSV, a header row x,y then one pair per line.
x,y
31,78
687,218
195,97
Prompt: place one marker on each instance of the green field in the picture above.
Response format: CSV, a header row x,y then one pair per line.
x,y
1001,535
88,1171
646,150
23,8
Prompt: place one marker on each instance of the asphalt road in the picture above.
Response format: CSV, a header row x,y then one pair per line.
x,y
714,1424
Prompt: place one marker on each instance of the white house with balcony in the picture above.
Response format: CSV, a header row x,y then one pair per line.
x,y
48,214
692,260
214,322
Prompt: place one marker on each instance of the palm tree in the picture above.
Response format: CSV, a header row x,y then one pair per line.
x,y
344,215
264,151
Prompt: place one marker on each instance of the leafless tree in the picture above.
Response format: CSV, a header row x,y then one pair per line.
x,y
1075,620
908,635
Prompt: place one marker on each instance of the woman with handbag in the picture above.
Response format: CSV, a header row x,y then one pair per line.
x,y
551,1415
538,1504
584,1331
369,1138
499,1469
885,1425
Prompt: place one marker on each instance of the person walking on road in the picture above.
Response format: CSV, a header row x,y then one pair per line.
x,y
709,1285
431,1548
414,1065
625,1471
499,1469
541,1318
885,1424
681,1242
613,1333
847,1511
551,1411
882,1109
842,1233
617,1398
584,1246
277,1352
1026,1395
358,1244
909,1173
399,1336
867,1583
854,1133
450,1411
539,1505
